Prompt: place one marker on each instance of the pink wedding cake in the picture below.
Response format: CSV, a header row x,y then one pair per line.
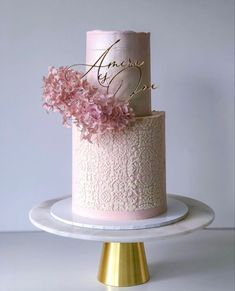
x,y
118,143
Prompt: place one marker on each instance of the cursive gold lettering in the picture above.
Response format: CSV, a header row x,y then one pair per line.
x,y
106,79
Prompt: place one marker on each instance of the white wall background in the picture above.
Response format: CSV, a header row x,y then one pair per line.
x,y
192,58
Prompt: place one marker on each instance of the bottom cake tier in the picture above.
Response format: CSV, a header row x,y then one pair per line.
x,y
122,176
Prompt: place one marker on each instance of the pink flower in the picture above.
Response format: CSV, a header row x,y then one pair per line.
x,y
94,113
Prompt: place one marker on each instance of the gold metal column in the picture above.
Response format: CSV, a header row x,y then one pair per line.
x,y
123,264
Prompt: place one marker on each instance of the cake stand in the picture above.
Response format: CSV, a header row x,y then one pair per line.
x,y
123,261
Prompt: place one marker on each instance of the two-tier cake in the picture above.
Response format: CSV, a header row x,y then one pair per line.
x,y
119,174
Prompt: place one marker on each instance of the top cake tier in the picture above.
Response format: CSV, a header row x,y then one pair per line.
x,y
119,63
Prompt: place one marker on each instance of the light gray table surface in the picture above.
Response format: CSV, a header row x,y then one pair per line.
x,y
203,260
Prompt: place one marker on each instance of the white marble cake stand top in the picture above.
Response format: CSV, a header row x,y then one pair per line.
x,y
62,211
200,215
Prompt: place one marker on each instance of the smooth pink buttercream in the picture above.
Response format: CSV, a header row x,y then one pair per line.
x,y
134,47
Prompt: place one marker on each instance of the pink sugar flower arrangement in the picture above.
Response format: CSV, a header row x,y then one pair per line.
x,y
95,113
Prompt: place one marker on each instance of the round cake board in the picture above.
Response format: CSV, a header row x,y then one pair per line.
x,y
62,211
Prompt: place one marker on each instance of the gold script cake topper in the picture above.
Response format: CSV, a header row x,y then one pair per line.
x,y
106,79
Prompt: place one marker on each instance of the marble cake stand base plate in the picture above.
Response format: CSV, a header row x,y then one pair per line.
x,y
62,211
123,261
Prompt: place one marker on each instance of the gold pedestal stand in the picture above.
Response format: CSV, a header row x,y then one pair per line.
x,y
123,264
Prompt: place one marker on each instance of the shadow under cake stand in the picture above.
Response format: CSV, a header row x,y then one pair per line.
x,y
123,261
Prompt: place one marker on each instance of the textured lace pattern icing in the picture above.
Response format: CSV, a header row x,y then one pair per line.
x,y
123,172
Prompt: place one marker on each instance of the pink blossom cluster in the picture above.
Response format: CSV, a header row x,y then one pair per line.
x,y
94,112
